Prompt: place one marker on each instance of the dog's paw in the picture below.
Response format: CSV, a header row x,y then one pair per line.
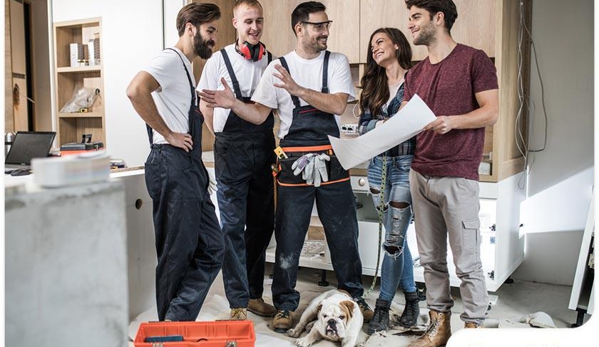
x,y
304,342
294,332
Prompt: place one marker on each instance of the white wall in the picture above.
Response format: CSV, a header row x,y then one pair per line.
x,y
132,33
561,177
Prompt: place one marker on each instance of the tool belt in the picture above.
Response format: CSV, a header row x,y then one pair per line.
x,y
284,172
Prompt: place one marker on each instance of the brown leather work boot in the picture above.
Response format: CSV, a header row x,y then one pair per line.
x,y
260,308
239,313
367,312
472,325
282,321
438,332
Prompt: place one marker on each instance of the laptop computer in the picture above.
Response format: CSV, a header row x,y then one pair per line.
x,y
26,146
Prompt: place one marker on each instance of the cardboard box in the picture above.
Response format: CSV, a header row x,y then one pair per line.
x,y
77,53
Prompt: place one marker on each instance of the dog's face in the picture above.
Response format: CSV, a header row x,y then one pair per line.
x,y
334,317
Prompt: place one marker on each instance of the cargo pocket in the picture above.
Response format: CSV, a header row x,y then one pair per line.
x,y
470,238
152,175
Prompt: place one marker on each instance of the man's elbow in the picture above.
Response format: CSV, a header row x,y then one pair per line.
x,y
258,121
340,104
493,116
133,91
339,108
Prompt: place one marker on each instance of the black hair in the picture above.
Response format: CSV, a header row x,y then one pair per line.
x,y
433,6
302,12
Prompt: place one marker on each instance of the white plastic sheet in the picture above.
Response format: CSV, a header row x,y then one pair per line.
x,y
408,122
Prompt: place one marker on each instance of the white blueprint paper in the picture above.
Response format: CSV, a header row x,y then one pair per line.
x,y
409,121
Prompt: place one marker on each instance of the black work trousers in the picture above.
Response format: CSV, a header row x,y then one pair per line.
x,y
336,208
189,242
246,203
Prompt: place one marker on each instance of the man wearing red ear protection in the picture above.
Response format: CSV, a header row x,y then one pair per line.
x,y
243,155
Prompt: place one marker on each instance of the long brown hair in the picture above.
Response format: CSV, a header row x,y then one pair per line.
x,y
374,83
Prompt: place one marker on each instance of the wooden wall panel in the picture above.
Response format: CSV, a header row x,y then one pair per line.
x,y
344,36
278,35
9,125
475,25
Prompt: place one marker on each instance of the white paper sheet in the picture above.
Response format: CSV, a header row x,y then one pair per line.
x,y
409,121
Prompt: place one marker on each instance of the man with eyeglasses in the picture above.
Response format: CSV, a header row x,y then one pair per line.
x,y
309,88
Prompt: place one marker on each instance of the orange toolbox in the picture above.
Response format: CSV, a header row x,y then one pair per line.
x,y
196,334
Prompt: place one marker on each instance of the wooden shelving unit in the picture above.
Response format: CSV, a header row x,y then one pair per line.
x,y
70,126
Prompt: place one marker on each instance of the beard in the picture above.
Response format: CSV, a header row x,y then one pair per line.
x,y
315,45
321,46
426,35
201,47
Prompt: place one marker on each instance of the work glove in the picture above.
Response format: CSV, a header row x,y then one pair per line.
x,y
211,183
308,174
300,164
320,169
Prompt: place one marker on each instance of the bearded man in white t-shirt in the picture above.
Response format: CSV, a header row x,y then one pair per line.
x,y
189,242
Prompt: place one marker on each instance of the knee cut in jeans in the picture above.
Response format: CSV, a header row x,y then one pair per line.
x,y
376,199
396,232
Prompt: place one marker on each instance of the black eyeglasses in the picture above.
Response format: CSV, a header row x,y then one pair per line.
x,y
320,26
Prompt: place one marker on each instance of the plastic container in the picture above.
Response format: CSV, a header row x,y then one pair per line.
x,y
199,334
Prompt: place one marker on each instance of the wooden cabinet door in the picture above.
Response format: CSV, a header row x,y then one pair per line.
x,y
344,34
475,25
278,35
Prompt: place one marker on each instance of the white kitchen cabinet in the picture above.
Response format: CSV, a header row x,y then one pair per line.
x,y
502,246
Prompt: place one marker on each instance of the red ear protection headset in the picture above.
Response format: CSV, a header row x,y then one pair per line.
x,y
251,52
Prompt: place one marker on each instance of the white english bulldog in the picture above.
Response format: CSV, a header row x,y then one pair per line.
x,y
333,316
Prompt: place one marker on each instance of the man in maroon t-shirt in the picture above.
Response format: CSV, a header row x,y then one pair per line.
x,y
459,84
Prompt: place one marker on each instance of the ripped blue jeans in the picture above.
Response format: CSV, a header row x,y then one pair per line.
x,y
397,266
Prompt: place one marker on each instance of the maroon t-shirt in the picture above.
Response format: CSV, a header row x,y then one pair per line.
x,y
448,88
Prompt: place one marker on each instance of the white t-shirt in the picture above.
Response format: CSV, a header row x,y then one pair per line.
x,y
392,93
173,98
248,75
308,74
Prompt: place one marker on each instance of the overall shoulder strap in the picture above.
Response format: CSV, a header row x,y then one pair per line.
x,y
187,74
236,87
325,72
294,98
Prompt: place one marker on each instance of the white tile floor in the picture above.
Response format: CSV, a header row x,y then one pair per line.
x,y
514,301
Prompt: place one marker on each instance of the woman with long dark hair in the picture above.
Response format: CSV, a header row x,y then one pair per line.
x,y
389,57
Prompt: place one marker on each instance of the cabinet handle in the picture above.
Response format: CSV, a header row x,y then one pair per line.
x,y
361,182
